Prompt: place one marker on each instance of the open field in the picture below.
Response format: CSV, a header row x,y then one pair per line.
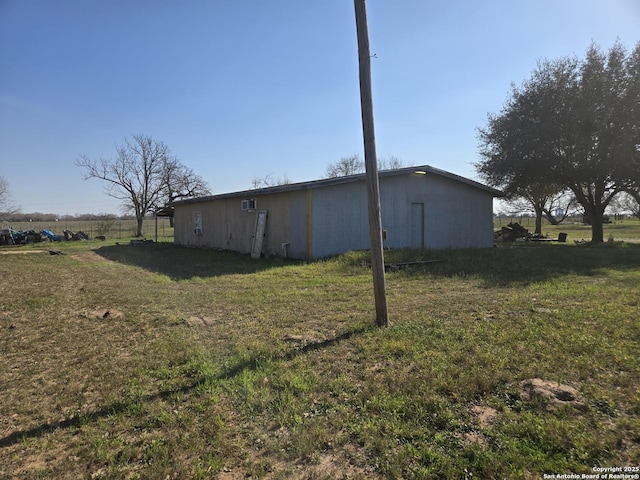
x,y
163,362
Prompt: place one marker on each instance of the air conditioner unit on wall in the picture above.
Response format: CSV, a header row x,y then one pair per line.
x,y
248,204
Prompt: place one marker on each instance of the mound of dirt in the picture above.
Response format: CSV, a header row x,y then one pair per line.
x,y
485,415
484,418
554,394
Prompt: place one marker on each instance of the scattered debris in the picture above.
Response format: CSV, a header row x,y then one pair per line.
x,y
514,232
50,235
53,251
69,235
9,236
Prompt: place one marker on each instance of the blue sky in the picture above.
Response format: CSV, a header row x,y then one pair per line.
x,y
242,89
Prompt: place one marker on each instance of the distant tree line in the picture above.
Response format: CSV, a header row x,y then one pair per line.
x,y
54,217
569,137
9,212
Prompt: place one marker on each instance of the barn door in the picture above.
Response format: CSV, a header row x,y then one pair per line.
x,y
258,237
417,225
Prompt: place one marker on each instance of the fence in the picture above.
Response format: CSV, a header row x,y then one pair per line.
x,y
110,228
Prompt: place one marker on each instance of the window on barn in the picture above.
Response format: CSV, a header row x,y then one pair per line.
x,y
197,223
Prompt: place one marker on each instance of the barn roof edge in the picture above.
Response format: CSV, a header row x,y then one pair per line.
x,y
313,184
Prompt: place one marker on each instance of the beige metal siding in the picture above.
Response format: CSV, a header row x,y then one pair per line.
x,y
225,225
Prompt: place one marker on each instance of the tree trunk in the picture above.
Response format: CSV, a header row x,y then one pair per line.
x,y
596,221
139,228
597,230
538,223
550,218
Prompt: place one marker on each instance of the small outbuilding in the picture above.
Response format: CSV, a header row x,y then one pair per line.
x,y
421,207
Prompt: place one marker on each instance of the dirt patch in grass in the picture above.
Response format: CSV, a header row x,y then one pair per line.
x,y
199,321
484,418
303,340
485,415
101,314
554,394
331,466
20,252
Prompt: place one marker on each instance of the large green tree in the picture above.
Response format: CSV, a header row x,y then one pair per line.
x,y
573,125
513,145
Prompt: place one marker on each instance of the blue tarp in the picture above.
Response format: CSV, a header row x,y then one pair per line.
x,y
52,236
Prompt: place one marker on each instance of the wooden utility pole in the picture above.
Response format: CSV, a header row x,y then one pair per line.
x,y
371,164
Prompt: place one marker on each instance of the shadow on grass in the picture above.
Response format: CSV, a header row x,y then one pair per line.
x,y
523,264
507,265
252,363
183,263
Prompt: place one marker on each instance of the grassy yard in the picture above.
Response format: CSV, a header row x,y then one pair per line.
x,y
157,361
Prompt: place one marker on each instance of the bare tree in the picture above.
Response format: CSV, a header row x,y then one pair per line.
x,y
346,166
144,175
181,182
6,203
353,165
390,163
269,181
